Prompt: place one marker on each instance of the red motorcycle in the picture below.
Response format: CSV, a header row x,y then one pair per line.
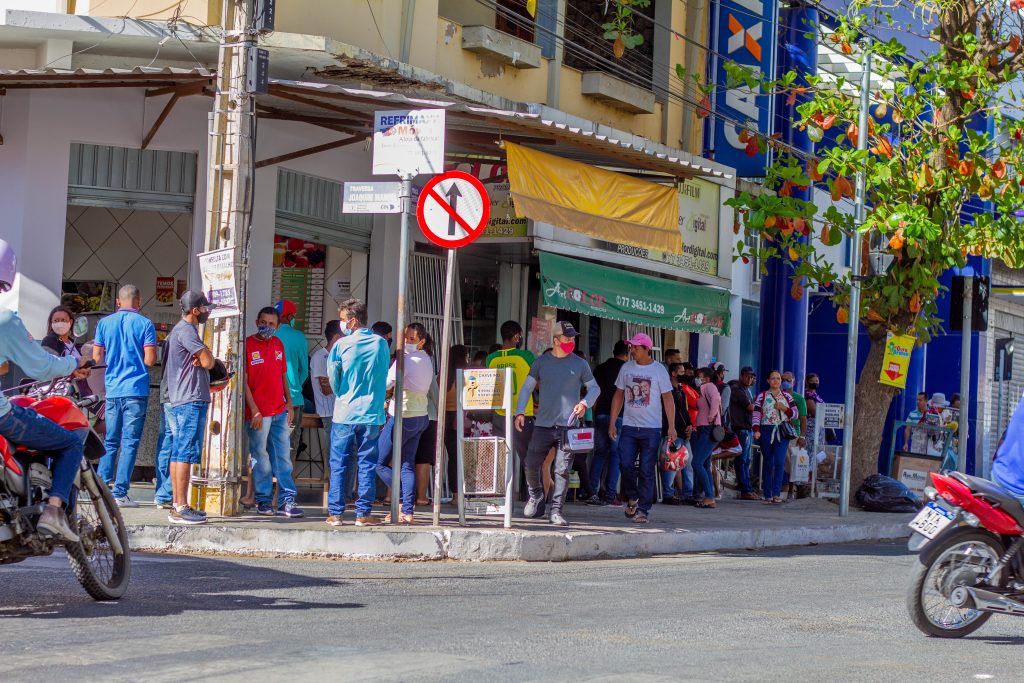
x,y
101,559
969,536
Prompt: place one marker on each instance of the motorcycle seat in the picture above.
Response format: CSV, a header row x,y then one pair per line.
x,y
994,493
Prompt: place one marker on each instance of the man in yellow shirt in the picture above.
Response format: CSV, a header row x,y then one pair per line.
x,y
512,356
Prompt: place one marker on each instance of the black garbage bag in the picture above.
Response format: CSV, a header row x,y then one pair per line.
x,y
879,493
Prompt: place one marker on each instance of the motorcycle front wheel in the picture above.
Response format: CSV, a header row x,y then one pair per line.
x,y
963,558
103,572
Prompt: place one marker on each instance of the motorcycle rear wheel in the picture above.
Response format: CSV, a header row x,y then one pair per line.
x,y
103,573
962,558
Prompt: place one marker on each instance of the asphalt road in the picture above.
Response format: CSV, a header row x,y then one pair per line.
x,y
825,613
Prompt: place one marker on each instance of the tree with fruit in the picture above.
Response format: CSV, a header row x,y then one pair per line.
x,y
944,145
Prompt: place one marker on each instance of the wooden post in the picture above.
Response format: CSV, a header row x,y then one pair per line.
x,y
229,188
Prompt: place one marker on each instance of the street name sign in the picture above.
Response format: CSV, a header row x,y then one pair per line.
x,y
453,209
372,197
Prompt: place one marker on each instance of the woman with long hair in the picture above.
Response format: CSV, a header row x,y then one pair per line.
x,y
418,378
709,415
772,408
428,440
58,337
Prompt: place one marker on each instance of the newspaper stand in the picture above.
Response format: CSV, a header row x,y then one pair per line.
x,y
827,416
489,474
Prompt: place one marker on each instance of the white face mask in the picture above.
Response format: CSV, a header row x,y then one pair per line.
x,y
61,328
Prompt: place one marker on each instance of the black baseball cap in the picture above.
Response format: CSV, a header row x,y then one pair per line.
x,y
564,329
192,299
747,370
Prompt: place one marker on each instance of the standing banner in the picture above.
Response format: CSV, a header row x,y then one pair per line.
x,y
218,271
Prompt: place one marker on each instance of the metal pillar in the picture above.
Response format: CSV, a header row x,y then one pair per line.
x,y
965,375
446,345
399,337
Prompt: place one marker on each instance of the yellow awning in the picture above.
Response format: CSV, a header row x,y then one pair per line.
x,y
600,203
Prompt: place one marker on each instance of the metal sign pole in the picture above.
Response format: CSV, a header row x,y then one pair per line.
x,y
460,478
854,318
446,316
965,375
509,459
403,285
987,465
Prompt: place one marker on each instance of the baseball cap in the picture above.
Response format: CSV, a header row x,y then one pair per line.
x,y
640,339
192,299
285,307
564,328
747,370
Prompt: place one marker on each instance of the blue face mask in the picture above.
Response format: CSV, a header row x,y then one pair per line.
x,y
345,331
265,331
787,385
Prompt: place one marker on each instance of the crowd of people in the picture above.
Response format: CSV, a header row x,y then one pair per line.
x,y
641,409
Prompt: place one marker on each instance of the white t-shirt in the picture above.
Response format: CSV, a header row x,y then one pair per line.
x,y
643,386
419,375
318,368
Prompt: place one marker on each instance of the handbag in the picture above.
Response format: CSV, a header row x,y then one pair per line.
x,y
577,439
717,430
787,431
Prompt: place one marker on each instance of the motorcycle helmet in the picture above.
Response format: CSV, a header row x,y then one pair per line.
x,y
8,267
219,376
677,455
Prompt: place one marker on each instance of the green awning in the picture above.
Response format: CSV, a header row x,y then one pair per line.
x,y
617,294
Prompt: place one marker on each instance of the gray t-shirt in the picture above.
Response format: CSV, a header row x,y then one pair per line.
x,y
186,383
560,380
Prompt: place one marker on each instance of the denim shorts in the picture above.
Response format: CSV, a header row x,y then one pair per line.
x,y
189,426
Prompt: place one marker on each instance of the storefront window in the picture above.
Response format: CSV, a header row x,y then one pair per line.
x,y
479,303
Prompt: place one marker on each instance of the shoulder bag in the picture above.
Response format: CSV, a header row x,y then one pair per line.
x,y
717,430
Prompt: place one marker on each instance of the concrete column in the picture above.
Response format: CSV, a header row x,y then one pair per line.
x,y
729,347
783,338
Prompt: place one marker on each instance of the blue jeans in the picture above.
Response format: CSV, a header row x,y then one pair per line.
x,y
164,445
28,428
412,430
774,455
604,469
125,420
702,447
348,440
270,455
668,480
742,462
642,442
189,425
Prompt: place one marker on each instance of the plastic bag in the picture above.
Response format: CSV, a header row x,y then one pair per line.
x,y
879,493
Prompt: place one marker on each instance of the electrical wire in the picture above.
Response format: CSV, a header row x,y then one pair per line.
x,y
377,26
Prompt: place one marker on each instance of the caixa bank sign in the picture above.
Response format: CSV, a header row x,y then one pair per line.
x,y
745,36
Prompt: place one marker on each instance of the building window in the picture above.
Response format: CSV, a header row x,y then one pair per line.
x,y
584,38
513,19
753,242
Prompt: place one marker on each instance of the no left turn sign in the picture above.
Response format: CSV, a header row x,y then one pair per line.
x,y
453,209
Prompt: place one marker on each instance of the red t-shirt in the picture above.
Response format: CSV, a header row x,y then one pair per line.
x,y
264,371
692,396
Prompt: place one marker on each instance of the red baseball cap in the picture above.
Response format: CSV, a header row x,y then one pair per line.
x,y
285,307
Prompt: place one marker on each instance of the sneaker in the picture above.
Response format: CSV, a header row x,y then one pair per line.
x,y
367,521
126,502
290,509
53,522
534,508
335,520
596,501
615,503
557,519
640,518
163,505
264,509
185,515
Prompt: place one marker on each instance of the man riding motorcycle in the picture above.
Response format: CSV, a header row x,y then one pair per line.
x,y
1008,465
27,428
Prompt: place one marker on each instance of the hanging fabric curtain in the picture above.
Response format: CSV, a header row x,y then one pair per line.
x,y
606,205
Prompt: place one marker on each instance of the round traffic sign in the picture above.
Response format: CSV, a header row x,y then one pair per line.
x,y
453,209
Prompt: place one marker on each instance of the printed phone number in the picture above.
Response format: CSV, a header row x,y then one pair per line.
x,y
638,305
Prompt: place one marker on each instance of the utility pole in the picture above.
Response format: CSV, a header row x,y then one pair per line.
x,y
229,188
965,375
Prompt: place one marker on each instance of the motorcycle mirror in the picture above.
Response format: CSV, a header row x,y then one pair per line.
x,y
81,327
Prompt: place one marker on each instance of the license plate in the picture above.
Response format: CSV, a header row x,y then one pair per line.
x,y
932,519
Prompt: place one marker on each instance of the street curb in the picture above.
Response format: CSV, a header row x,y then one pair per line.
x,y
488,545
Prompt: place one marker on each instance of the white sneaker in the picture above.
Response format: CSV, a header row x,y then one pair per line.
x,y
126,502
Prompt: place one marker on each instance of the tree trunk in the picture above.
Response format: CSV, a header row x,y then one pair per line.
x,y
872,400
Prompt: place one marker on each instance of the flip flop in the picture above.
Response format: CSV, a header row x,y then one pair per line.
x,y
631,508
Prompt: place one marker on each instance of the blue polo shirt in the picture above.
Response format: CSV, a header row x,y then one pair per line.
x,y
1008,467
296,354
357,369
124,337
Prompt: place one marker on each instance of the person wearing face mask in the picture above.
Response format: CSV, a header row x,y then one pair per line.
x,y
811,387
561,376
58,337
357,369
296,355
512,355
788,384
268,410
417,383
771,408
187,368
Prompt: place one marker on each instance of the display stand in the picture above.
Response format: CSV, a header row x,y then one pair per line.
x,y
485,390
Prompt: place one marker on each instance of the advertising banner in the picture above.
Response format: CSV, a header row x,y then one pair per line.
x,y
408,142
218,271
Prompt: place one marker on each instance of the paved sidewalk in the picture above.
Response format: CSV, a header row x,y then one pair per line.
x,y
594,533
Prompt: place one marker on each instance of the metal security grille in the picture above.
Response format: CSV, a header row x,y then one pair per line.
x,y
310,207
484,461
655,333
426,296
125,178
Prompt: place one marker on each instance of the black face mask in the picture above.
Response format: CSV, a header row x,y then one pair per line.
x,y
201,318
812,387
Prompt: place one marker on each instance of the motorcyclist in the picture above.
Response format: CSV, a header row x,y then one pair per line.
x,y
26,427
1008,466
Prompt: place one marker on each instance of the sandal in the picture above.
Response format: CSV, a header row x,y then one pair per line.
x,y
766,501
776,501
631,508
406,519
703,504
387,519
640,518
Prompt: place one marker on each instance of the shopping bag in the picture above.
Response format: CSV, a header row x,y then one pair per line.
x,y
798,465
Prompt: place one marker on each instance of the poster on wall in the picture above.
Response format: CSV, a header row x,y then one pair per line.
x,y
541,331
164,291
298,276
218,272
699,204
